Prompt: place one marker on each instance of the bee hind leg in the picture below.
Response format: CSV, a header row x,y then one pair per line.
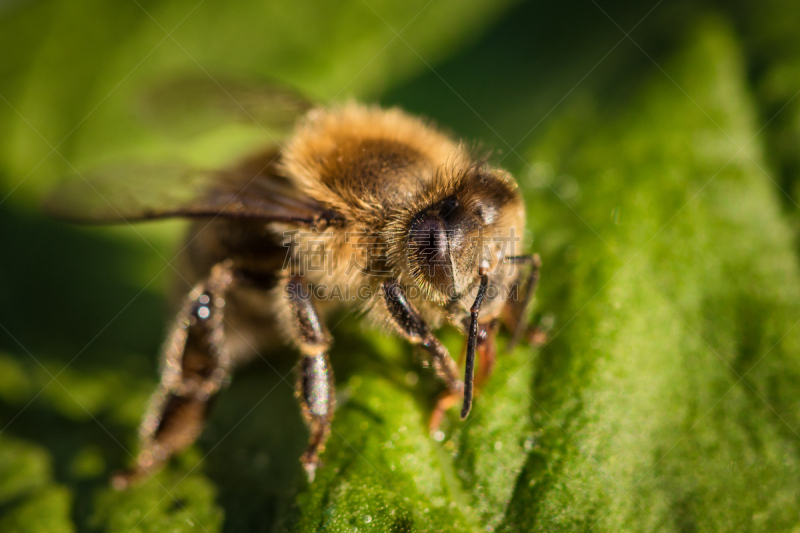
x,y
315,385
195,365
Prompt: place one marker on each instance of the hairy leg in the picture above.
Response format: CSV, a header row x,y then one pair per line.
x,y
412,327
195,365
315,386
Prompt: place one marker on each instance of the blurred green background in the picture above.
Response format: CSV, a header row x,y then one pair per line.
x,y
657,147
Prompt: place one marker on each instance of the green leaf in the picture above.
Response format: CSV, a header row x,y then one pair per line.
x,y
29,501
668,399
45,511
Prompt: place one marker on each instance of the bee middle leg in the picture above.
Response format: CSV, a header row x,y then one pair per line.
x,y
195,365
413,328
315,386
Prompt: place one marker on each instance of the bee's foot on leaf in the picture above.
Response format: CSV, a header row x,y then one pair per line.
x,y
538,334
536,337
310,465
446,400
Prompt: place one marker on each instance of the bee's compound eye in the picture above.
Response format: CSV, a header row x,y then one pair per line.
x,y
428,239
428,251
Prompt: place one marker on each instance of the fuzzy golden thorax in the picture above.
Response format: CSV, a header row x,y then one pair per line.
x,y
361,160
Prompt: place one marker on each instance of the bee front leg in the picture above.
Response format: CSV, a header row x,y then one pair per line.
x,y
315,386
195,365
487,352
413,328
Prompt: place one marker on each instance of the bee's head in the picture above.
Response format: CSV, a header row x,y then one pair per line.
x,y
456,225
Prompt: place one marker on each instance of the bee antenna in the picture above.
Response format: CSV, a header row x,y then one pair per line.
x,y
473,338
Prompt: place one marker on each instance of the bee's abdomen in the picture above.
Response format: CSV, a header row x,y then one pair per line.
x,y
257,252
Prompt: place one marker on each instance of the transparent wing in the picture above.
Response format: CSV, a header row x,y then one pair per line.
x,y
190,104
142,192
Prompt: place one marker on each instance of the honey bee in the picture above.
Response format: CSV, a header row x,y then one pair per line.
x,y
387,213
